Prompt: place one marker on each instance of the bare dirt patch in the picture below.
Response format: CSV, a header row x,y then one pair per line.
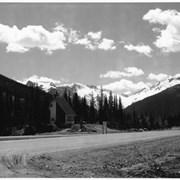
x,y
155,158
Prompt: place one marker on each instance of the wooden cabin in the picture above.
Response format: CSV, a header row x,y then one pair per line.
x,y
61,112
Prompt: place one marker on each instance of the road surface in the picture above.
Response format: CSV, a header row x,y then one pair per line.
x,y
36,146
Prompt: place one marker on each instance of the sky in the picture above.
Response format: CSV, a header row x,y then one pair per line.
x,y
120,46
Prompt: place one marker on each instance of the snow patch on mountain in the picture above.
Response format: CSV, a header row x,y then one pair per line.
x,y
88,90
155,89
44,83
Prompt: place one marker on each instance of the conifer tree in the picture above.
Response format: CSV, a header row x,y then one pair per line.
x,y
69,98
111,107
100,103
120,114
92,110
84,109
76,106
106,116
65,94
115,113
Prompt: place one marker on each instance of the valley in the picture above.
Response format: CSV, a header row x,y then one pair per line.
x,y
89,90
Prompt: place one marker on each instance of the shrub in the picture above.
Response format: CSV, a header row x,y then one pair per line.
x,y
29,130
75,127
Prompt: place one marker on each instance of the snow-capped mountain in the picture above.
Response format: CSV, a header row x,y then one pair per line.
x,y
166,103
83,90
155,89
87,90
43,82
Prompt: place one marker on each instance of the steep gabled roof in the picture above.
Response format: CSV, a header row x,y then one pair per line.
x,y
63,104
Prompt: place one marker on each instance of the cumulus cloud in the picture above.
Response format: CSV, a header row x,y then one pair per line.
x,y
111,74
158,77
31,36
91,40
133,71
142,49
22,40
107,44
177,75
71,35
83,41
15,47
124,85
95,35
168,38
128,72
95,43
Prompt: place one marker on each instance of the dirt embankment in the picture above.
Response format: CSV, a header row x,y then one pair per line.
x,y
155,158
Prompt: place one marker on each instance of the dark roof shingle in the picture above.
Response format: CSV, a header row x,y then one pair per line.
x,y
63,104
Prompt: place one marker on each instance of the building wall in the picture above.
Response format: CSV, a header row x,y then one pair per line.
x,y
57,115
60,116
69,119
52,108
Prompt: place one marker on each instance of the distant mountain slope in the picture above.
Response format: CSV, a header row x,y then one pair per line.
x,y
155,89
166,102
87,90
12,85
82,90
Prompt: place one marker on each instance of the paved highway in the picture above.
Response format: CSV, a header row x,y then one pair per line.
x,y
42,145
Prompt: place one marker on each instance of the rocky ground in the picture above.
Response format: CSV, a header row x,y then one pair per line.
x,y
155,158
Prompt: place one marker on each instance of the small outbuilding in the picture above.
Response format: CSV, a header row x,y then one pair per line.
x,y
61,112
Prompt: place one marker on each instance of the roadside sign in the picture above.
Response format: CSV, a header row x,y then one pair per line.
x,y
104,127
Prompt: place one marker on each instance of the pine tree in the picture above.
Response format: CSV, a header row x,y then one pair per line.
x,y
134,119
65,95
3,113
76,106
84,109
143,121
120,114
106,116
152,123
92,110
69,100
100,103
115,113
111,107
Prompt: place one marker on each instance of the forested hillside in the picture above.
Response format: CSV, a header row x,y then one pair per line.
x,y
157,111
22,106
25,109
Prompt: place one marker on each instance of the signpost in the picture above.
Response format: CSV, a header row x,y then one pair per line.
x,y
104,127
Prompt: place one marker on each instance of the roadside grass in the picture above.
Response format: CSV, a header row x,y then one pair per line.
x,y
146,159
87,129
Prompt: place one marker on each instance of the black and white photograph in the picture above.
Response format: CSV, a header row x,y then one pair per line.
x,y
90,90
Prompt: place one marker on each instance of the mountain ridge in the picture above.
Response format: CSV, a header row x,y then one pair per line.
x,y
87,90
166,102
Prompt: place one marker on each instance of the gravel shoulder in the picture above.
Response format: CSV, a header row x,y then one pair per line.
x,y
153,158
